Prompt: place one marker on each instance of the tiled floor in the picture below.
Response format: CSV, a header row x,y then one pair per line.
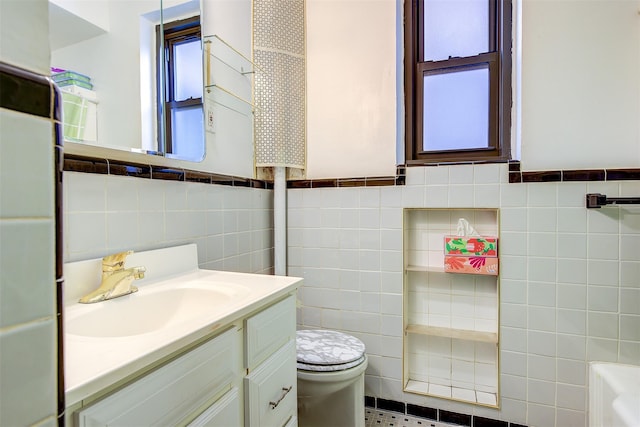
x,y
377,418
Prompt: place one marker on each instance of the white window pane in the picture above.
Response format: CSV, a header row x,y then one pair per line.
x,y
455,28
456,110
187,128
188,70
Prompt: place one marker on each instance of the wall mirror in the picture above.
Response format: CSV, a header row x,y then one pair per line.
x,y
131,74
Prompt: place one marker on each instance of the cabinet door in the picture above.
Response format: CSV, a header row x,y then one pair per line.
x,y
268,330
173,392
271,390
225,412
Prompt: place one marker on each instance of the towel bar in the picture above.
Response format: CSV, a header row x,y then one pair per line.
x,y
597,200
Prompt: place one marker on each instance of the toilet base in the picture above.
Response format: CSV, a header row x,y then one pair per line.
x,y
336,408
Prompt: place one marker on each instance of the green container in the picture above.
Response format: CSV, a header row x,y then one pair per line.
x,y
65,75
74,82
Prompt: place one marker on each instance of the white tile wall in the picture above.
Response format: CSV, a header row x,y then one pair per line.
x,y
570,280
27,293
559,309
28,372
232,226
28,376
27,134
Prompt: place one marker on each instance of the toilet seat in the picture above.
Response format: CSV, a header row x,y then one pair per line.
x,y
328,351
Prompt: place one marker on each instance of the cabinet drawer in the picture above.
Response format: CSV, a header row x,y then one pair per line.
x,y
293,422
271,390
268,330
225,412
173,392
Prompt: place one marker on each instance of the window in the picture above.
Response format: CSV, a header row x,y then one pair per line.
x,y
183,89
457,80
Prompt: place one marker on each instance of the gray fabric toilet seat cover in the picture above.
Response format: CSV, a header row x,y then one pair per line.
x,y
322,350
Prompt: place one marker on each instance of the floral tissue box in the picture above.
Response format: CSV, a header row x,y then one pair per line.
x,y
471,255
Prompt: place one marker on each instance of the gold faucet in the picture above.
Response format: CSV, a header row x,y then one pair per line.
x,y
116,280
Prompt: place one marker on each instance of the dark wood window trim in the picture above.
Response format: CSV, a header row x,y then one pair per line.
x,y
175,32
499,63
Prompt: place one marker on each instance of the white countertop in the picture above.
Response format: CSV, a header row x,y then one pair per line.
x,y
94,363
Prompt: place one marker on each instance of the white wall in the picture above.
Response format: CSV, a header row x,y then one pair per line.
x,y
351,88
95,12
580,86
16,48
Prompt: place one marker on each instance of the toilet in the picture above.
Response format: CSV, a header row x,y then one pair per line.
x,y
331,369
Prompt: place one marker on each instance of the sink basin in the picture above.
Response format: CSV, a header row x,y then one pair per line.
x,y
150,310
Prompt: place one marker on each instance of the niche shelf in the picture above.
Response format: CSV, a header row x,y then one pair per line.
x,y
451,340
463,334
424,268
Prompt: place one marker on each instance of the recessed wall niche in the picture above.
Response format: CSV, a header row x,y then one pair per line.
x,y
450,320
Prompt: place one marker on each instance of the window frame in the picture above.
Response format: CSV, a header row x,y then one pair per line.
x,y
173,33
499,62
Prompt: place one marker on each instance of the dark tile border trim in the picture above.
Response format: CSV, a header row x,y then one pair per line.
x,y
31,93
164,173
85,164
390,405
194,176
515,176
454,418
434,414
370,401
59,215
375,181
422,412
622,174
27,92
487,422
126,169
570,175
584,175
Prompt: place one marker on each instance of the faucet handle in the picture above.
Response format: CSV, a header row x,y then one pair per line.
x,y
114,262
138,272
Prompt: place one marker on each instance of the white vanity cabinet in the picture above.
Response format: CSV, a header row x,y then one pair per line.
x,y
225,412
245,375
270,386
178,391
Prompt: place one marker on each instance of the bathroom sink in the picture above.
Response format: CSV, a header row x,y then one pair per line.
x,y
177,305
150,310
